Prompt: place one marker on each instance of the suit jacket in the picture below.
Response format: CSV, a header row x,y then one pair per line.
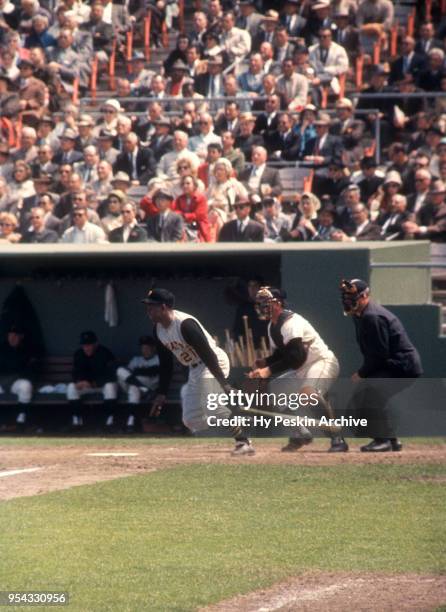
x,y
71,158
137,234
295,90
202,83
222,125
254,232
86,172
275,141
269,177
393,223
45,236
371,231
260,37
283,53
330,151
160,145
434,218
434,43
261,126
368,187
416,65
245,144
237,43
171,230
348,38
336,63
145,165
102,34
351,131
250,23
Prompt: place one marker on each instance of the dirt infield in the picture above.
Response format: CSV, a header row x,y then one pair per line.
x,y
66,466
337,592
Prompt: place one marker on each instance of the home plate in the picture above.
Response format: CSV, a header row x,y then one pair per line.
x,y
112,454
22,471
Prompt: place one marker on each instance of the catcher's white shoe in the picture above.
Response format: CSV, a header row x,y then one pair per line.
x,y
243,448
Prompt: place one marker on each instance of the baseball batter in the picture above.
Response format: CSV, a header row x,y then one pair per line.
x,y
298,352
182,335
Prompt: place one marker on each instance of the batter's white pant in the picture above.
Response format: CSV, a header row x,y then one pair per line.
x,y
22,388
194,395
133,392
109,391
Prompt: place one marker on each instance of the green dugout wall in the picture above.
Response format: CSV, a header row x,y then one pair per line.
x,y
66,285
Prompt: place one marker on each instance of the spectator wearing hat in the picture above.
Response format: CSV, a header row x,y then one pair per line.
x,y
130,230
106,150
18,370
166,225
94,371
161,141
248,19
141,77
292,86
83,231
430,219
135,161
334,184
326,223
139,377
304,226
111,114
319,16
210,84
38,233
179,74
346,126
325,148
46,135
304,128
67,153
243,228
247,139
235,41
392,221
265,33
33,94
345,33
9,100
86,137
275,222
292,19
384,106
369,185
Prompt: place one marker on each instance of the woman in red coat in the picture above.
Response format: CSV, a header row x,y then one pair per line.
x,y
193,206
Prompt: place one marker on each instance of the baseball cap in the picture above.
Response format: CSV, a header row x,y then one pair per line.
x,y
159,297
358,284
88,337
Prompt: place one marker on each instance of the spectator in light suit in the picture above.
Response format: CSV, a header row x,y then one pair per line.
x,y
236,42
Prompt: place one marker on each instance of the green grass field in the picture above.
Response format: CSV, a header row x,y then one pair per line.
x,y
184,537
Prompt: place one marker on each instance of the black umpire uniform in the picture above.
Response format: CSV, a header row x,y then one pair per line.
x,y
388,353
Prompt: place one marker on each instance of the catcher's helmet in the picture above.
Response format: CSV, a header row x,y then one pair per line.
x,y
265,298
351,292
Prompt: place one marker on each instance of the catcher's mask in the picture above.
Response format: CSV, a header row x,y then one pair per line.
x,y
265,298
351,292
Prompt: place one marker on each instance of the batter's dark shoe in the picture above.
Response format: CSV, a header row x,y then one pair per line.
x,y
377,446
396,444
338,445
294,444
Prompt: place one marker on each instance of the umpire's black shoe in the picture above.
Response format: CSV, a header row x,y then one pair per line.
x,y
377,446
338,445
396,444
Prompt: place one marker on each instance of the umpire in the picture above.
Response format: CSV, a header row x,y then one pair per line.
x,y
388,354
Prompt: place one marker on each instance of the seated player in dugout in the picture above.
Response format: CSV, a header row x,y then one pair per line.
x,y
388,353
300,362
180,334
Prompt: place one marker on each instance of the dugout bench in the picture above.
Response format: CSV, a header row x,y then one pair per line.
x,y
50,410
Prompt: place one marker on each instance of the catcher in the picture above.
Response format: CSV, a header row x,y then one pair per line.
x,y
298,354
182,335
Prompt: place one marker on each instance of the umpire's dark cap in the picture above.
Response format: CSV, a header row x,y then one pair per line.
x,y
278,294
359,284
88,337
159,297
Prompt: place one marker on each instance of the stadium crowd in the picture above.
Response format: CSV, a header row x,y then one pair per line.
x,y
207,145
